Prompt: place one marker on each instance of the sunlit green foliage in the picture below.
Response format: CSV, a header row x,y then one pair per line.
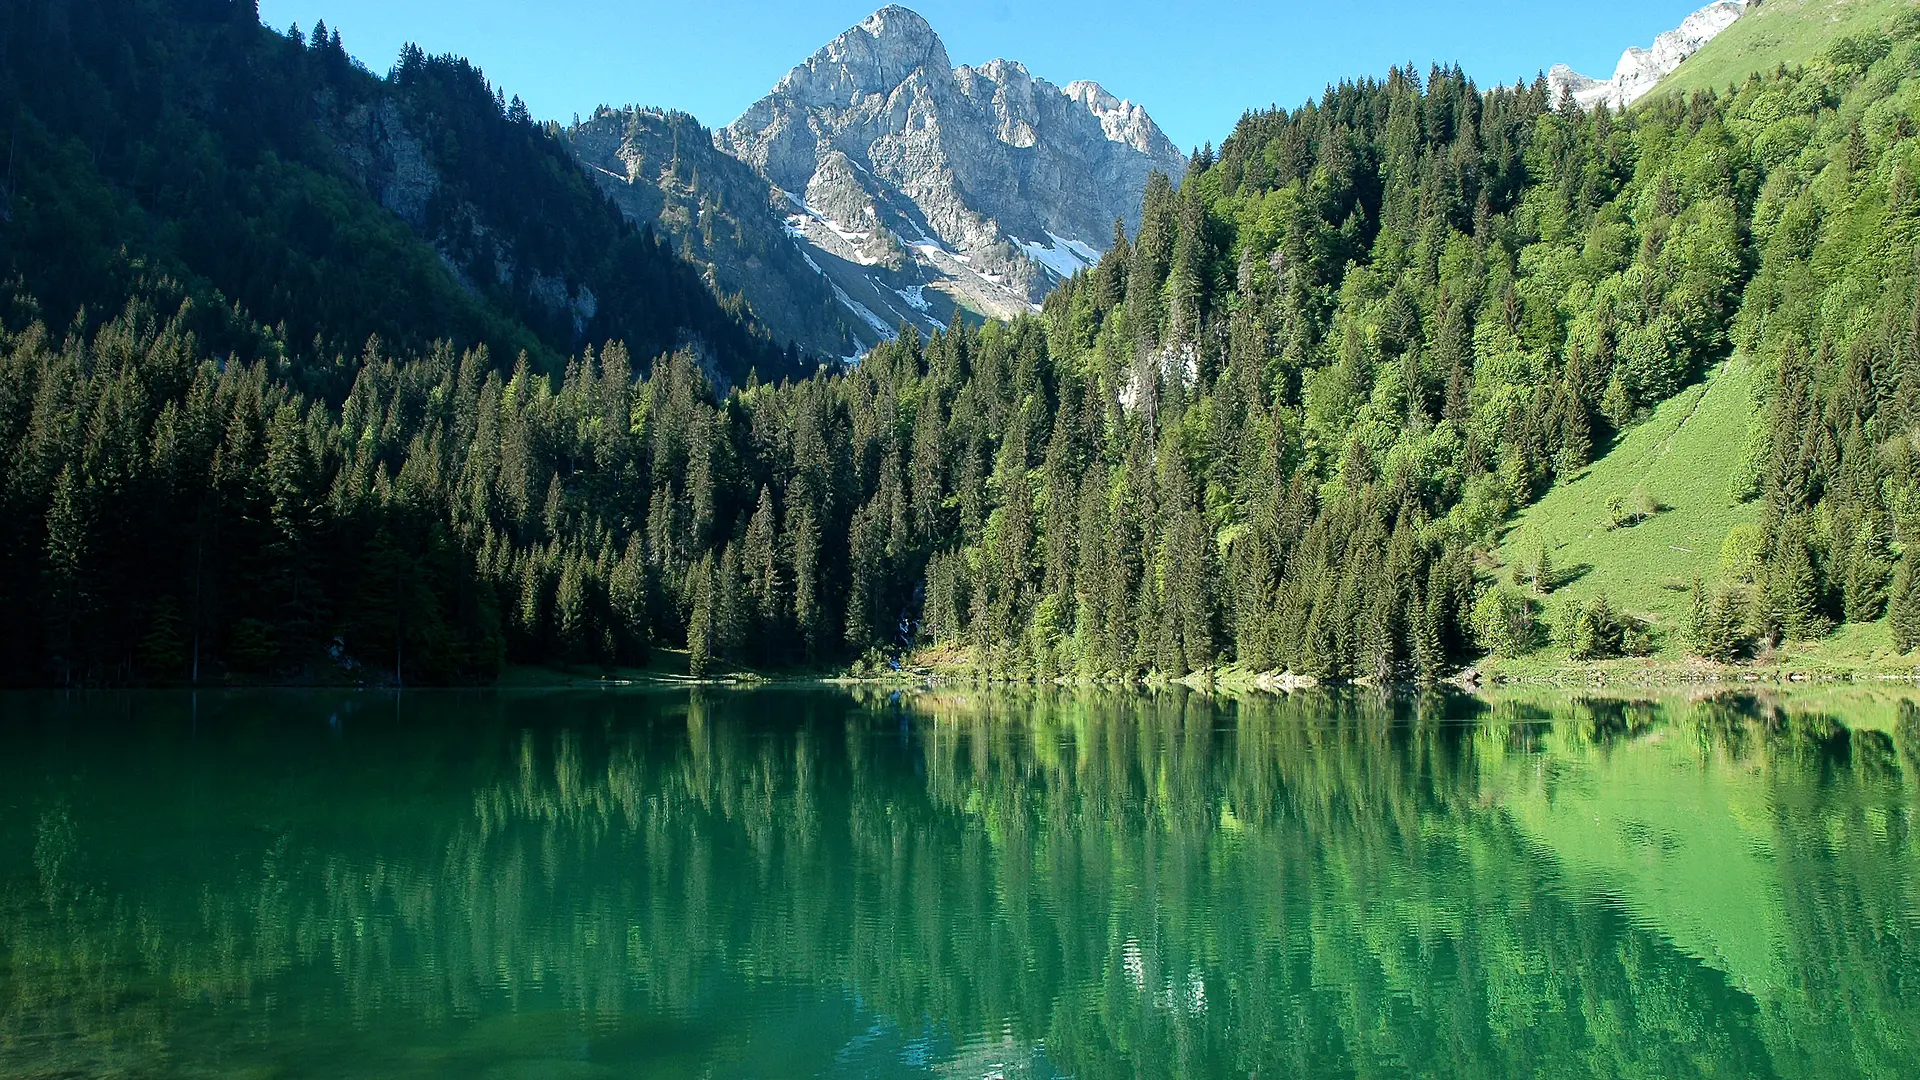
x,y
1282,427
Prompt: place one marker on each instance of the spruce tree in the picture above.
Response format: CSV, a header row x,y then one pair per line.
x,y
163,650
1903,612
1793,584
866,556
570,610
69,545
700,621
803,547
627,604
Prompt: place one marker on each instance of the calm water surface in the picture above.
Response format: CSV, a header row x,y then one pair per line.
x,y
815,884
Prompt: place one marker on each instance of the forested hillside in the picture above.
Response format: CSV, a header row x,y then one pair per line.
x,y
1365,332
1283,427
305,204
1774,33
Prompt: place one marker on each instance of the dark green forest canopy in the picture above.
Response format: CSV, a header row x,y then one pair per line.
x,y
1282,427
306,204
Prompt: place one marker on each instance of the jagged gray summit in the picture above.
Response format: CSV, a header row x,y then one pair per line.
x,y
914,185
1640,70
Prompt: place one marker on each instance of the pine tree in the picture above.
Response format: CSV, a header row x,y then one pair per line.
x,y
1191,597
760,561
1593,631
627,601
1865,573
530,613
1576,423
163,651
803,546
1012,570
389,610
1254,601
928,467
1903,614
69,547
1717,629
1793,587
866,558
700,622
732,602
571,619
1426,615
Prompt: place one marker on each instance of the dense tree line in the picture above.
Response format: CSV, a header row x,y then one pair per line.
x,y
269,171
1281,427
1832,319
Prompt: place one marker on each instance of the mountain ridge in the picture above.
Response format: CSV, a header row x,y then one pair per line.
x,y
316,203
662,169
906,175
1640,70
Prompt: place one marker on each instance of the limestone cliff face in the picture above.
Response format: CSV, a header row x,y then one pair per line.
x,y
905,175
1640,70
387,153
663,172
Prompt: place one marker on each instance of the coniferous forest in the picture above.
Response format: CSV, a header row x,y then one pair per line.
x,y
253,425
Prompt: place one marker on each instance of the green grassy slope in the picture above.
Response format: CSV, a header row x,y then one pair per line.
x,y
1780,32
1684,457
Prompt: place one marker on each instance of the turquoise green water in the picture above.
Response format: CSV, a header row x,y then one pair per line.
x,y
815,884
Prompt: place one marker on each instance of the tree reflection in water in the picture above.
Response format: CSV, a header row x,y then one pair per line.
x,y
1079,883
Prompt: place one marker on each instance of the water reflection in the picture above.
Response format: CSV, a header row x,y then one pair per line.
x,y
814,883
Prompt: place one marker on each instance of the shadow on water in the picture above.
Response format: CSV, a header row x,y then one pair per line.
x,y
798,882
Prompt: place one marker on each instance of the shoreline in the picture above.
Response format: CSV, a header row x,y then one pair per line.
x,y
1489,678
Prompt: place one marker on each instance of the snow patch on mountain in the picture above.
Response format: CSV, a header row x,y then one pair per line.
x,y
1640,70
916,298
1063,257
865,313
921,175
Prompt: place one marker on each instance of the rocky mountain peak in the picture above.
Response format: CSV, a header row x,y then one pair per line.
x,y
875,57
1122,120
896,23
908,180
1640,70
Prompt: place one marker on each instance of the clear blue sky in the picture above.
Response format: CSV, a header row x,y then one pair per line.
x,y
1195,64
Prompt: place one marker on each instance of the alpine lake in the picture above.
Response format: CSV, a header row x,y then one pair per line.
x,y
819,882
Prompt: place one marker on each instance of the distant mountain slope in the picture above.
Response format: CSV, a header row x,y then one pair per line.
x,y
1782,32
917,186
271,175
1640,70
663,170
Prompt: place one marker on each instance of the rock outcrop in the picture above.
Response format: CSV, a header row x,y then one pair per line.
x,y
1640,70
663,171
914,185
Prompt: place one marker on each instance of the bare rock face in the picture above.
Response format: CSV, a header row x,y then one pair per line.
x,y
1640,70
905,174
387,155
664,173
